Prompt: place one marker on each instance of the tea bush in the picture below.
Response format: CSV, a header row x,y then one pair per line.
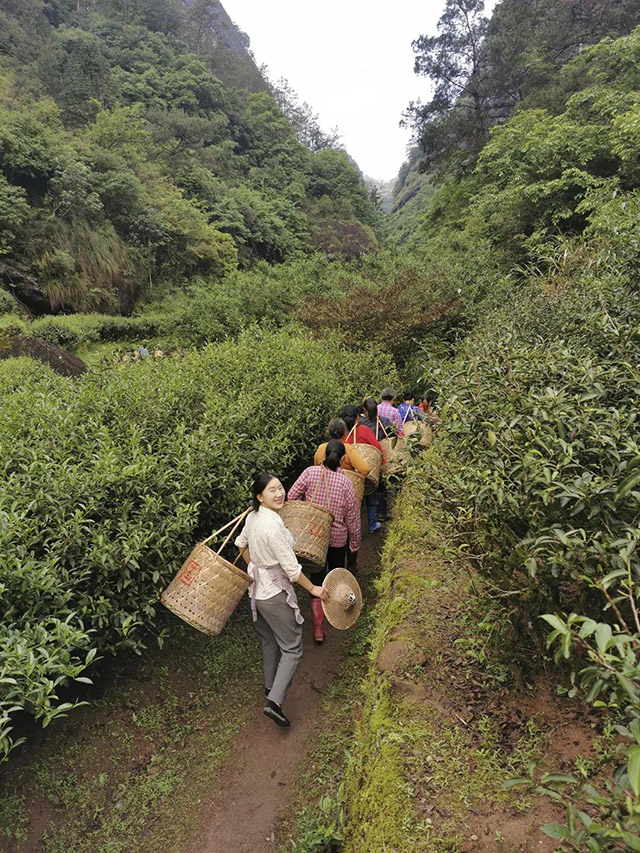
x,y
73,331
541,429
108,480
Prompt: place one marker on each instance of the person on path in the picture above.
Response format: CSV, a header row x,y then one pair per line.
x,y
408,411
426,405
344,540
382,428
359,433
386,408
351,460
274,606
379,425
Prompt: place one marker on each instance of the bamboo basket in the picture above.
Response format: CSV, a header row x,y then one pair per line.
x,y
386,443
412,427
373,458
310,525
398,457
207,589
358,483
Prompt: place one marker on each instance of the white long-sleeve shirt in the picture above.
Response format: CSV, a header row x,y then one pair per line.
x,y
270,543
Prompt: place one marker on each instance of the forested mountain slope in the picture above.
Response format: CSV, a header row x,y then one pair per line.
x,y
139,145
530,226
483,71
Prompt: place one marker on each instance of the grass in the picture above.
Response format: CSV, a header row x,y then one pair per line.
x,y
317,816
129,772
431,743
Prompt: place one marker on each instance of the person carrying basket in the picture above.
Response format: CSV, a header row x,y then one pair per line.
x,y
274,568
326,482
352,460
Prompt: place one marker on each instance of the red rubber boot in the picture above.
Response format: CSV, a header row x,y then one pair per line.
x,y
317,617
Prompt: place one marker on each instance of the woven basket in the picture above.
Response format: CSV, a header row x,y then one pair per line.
x,y
358,483
207,589
373,458
398,457
412,427
310,525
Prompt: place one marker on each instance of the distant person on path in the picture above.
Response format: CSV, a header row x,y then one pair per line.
x,y
379,425
274,568
386,408
345,531
358,432
351,460
408,410
427,403
382,428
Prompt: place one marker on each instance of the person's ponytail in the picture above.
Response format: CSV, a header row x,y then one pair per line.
x,y
371,408
337,428
333,455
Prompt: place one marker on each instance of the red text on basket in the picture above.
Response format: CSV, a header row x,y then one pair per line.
x,y
189,573
317,530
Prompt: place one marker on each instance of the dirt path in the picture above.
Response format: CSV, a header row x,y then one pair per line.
x,y
259,778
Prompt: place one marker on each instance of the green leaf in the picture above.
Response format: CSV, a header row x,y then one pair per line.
x,y
631,840
556,830
556,623
629,482
603,635
557,777
633,769
516,780
588,627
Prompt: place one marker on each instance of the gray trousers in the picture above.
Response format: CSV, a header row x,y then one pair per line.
x,y
281,640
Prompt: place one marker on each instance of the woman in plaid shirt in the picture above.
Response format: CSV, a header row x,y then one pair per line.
x,y
326,485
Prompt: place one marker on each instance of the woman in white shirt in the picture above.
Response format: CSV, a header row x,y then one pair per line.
x,y
274,568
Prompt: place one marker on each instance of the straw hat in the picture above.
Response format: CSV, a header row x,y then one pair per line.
x,y
345,598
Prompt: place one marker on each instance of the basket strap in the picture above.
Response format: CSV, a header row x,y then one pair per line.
x,y
234,521
326,486
406,415
239,521
240,553
325,477
352,431
379,423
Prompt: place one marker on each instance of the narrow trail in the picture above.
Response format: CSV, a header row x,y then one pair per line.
x,y
259,780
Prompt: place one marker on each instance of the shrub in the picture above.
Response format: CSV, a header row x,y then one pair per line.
x,y
541,428
107,481
74,331
7,303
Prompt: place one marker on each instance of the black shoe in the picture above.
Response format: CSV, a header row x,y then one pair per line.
x,y
275,713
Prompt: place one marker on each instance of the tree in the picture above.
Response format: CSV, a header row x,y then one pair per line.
x,y
456,63
303,119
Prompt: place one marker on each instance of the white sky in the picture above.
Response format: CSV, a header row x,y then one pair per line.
x,y
351,60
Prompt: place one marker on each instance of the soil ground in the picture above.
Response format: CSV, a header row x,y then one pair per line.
x,y
264,769
177,757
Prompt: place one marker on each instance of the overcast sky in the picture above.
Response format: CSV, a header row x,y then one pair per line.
x,y
351,60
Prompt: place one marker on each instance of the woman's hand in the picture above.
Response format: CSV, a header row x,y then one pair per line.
x,y
320,593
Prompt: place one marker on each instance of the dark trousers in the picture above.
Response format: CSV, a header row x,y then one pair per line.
x,y
336,559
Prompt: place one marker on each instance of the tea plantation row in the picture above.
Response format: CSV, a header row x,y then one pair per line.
x,y
107,482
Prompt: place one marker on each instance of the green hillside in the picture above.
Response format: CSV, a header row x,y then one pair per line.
x,y
139,146
147,168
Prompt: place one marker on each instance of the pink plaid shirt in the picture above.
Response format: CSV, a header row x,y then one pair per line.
x,y
314,483
388,411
